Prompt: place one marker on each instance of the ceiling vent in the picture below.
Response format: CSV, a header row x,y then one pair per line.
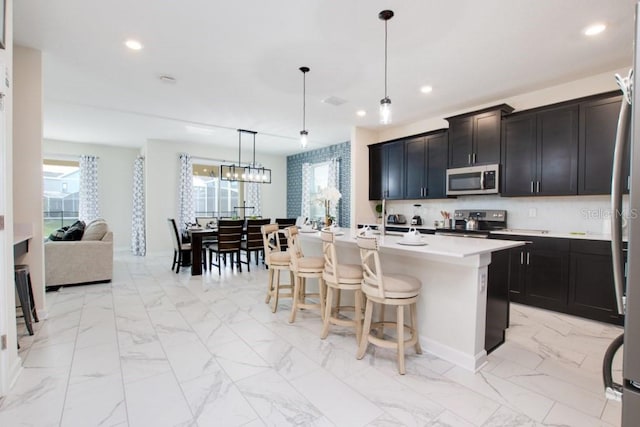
x,y
334,100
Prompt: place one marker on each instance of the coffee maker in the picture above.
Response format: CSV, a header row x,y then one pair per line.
x,y
416,220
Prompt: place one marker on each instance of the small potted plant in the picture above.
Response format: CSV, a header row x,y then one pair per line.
x,y
379,211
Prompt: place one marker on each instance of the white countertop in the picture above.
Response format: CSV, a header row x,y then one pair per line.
x,y
435,245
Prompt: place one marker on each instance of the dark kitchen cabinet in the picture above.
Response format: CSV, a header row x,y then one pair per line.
x,y
386,171
598,125
497,316
426,166
540,152
474,138
591,288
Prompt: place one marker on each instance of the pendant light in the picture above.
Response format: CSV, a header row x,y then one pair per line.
x,y
250,172
303,133
385,103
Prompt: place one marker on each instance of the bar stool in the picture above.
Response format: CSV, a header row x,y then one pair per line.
x,y
338,278
25,295
391,289
304,268
276,260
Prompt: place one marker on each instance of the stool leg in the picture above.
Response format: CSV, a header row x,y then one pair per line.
x,y
32,306
276,290
358,314
322,290
414,327
400,333
364,341
327,313
269,286
295,297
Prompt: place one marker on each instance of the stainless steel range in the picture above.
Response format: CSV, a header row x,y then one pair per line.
x,y
475,223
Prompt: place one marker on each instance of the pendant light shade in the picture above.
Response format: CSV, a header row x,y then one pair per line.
x,y
385,103
304,140
249,172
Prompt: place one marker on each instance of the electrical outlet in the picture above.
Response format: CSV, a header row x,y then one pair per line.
x,y
533,212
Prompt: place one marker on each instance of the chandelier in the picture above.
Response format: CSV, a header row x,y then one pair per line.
x,y
248,172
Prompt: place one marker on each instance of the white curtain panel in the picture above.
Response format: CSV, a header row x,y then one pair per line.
x,y
186,208
334,178
305,201
138,233
89,208
253,197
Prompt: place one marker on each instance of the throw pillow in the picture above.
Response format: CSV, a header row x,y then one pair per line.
x,y
75,231
95,230
58,234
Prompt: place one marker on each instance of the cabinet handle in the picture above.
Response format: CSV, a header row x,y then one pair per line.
x,y
426,192
532,187
474,158
469,159
521,257
537,186
528,253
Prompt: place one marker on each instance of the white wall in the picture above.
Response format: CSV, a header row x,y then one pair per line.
x,y
115,182
553,213
162,180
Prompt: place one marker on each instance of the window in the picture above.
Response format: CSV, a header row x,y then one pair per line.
x,y
212,196
319,179
60,198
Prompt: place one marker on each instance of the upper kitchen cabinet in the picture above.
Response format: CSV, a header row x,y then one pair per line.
x,y
386,171
426,166
540,152
598,125
474,138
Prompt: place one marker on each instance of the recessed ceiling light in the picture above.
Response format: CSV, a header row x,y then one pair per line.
x,y
133,44
361,113
594,29
426,89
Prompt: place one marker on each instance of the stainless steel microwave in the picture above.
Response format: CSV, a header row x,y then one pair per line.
x,y
483,179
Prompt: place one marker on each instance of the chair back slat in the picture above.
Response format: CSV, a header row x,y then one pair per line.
x,y
284,223
254,233
270,241
329,252
229,235
371,269
175,237
294,246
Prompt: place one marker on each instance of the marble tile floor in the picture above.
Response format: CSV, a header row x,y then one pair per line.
x,y
155,348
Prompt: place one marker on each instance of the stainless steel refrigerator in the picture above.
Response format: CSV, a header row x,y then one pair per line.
x,y
628,133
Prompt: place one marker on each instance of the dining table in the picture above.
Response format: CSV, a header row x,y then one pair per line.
x,y
197,235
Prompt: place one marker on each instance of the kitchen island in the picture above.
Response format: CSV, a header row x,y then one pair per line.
x,y
453,301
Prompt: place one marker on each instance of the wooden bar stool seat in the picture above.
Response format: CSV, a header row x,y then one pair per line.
x,y
397,290
338,278
304,268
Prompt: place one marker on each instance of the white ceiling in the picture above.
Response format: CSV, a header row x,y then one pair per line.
x,y
236,62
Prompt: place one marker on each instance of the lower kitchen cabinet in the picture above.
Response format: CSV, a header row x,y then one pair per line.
x,y
497,317
571,276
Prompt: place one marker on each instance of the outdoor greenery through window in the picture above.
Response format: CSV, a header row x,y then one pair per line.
x,y
212,196
60,199
319,180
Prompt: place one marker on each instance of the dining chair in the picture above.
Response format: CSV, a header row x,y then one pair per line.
x,y
303,268
284,223
229,239
397,290
179,248
337,278
253,241
277,260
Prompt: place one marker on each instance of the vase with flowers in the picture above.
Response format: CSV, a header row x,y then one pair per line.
x,y
328,197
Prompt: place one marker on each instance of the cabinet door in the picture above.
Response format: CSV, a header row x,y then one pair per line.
x,y
437,152
518,155
497,316
486,138
516,275
415,151
591,288
394,168
557,156
375,172
547,275
460,142
598,125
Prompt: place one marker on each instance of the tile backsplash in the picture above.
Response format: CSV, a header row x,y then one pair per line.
x,y
589,214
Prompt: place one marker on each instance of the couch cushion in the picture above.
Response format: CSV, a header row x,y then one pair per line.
x,y
95,230
74,232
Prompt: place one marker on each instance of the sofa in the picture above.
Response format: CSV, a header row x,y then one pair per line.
x,y
73,262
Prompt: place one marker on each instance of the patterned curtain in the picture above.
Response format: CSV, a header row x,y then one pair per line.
x,y
186,209
305,210
138,240
89,208
253,196
334,181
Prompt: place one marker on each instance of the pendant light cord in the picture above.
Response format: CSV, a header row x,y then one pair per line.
x,y
304,100
385,58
